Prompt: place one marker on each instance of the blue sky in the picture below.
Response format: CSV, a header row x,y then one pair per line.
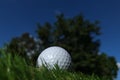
x,y
18,16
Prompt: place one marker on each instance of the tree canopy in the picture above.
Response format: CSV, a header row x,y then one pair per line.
x,y
26,46
80,38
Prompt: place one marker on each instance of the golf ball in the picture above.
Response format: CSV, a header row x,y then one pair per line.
x,y
54,56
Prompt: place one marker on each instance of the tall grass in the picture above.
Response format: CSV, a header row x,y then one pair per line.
x,y
16,68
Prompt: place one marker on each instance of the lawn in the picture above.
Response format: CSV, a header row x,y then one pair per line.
x,y
16,68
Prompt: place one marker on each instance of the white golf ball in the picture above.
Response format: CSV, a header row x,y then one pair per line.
x,y
54,56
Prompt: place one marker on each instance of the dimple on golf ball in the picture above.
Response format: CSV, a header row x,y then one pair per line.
x,y
54,56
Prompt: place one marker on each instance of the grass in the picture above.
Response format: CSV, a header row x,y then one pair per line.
x,y
17,69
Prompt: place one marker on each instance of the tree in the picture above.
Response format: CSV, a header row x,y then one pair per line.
x,y
106,66
78,36
25,46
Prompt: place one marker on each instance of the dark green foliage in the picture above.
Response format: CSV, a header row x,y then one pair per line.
x,y
24,46
106,66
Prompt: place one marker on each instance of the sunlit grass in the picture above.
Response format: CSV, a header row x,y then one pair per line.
x,y
16,68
